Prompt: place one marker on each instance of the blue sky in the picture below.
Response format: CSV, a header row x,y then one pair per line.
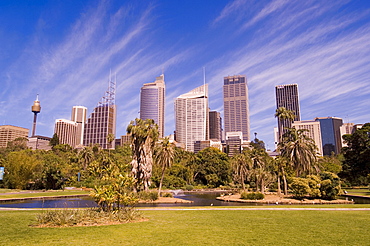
x,y
63,50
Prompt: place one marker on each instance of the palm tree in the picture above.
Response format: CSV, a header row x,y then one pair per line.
x,y
164,156
86,156
241,164
281,162
299,150
262,167
285,118
144,134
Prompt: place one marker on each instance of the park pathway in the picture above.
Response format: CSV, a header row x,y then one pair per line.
x,y
213,208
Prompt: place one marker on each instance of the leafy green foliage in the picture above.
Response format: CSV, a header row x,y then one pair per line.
x,y
252,196
356,163
54,141
214,168
148,195
331,163
326,186
21,169
299,187
300,151
330,185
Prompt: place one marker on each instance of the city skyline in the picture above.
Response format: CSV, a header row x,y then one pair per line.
x,y
63,51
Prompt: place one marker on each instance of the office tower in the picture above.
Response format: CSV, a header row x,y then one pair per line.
x,y
346,128
200,145
10,133
66,131
287,97
191,115
314,131
102,120
152,102
234,142
215,125
236,105
330,134
79,114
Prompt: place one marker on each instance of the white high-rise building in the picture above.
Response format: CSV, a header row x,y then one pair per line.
x,y
314,131
79,116
152,102
66,131
191,114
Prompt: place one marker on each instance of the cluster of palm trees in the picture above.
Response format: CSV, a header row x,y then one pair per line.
x,y
298,157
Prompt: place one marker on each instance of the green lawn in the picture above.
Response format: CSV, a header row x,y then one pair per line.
x,y
200,228
358,192
39,193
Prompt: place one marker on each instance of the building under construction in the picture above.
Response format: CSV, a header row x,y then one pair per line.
x,y
102,120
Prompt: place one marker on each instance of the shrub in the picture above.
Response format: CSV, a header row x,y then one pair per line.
x,y
300,187
252,196
83,217
148,195
314,183
189,187
330,185
166,194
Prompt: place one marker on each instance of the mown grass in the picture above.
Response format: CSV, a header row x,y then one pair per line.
x,y
358,192
8,190
197,227
42,194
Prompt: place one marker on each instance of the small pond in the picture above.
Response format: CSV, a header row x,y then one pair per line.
x,y
198,198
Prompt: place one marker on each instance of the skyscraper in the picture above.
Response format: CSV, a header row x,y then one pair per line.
x,y
236,106
102,120
314,131
79,116
330,134
287,97
191,114
215,125
66,131
152,102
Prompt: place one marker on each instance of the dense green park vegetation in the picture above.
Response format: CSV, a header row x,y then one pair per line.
x,y
149,162
200,228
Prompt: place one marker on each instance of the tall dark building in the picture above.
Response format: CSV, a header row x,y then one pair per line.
x,y
215,125
102,120
330,134
287,97
236,107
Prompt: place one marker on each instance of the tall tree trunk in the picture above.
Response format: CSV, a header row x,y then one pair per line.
x,y
243,185
160,183
279,184
285,183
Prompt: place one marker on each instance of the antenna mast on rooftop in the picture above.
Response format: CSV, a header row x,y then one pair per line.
x,y
110,95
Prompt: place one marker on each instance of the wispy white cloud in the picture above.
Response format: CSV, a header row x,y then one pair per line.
x,y
230,9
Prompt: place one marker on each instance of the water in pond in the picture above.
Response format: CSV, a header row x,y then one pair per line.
x,y
78,202
198,198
